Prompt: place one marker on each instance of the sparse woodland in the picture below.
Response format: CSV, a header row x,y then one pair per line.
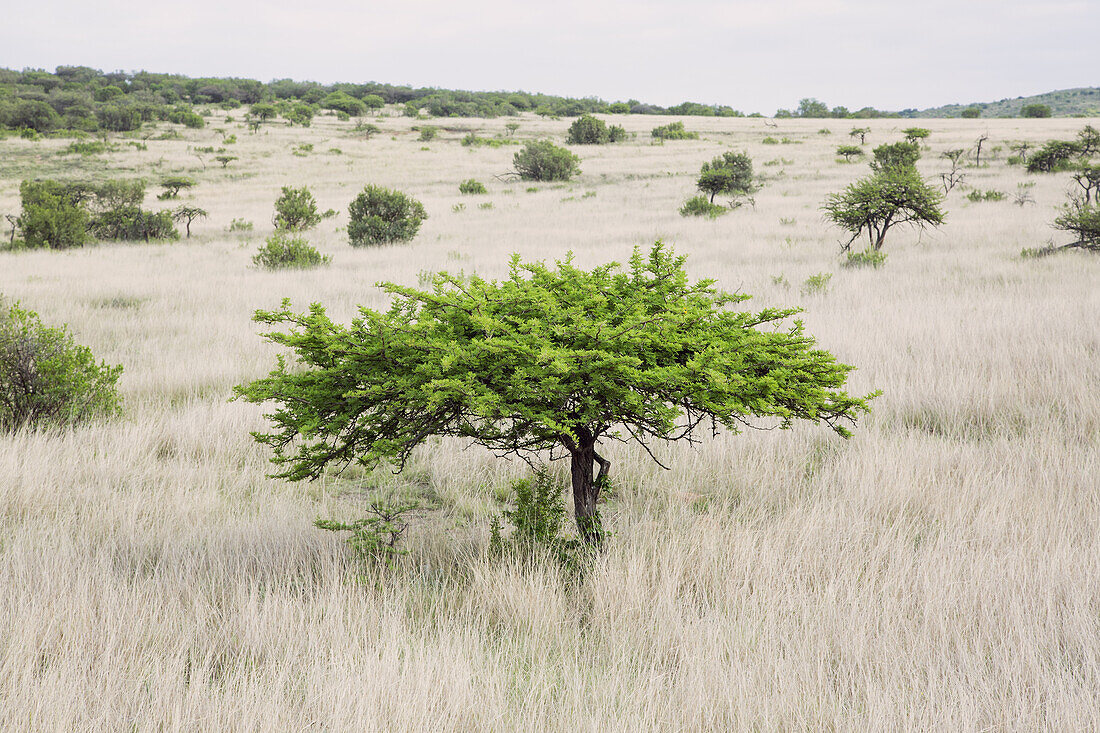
x,y
937,570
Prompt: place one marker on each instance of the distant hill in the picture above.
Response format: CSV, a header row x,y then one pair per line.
x,y
1062,103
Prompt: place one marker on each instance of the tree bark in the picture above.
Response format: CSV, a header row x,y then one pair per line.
x,y
586,489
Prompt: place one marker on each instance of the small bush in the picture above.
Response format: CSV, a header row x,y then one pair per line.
x,y
428,133
673,131
52,216
849,152
283,251
296,209
240,225
817,284
46,379
1035,110
375,538
701,206
542,160
990,195
537,522
471,186
380,215
769,140
589,130
870,258
1054,156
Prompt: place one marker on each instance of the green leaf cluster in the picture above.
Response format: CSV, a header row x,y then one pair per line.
x,y
891,196
548,358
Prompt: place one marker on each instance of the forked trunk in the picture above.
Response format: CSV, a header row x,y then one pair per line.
x,y
586,490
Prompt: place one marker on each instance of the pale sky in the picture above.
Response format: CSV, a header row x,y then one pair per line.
x,y
754,56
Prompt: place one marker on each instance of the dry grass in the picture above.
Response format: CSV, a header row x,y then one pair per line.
x,y
941,570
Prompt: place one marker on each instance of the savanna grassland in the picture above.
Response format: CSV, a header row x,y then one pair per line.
x,y
940,570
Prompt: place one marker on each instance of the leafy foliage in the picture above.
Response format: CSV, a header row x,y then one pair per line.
x,y
283,250
52,216
1035,110
868,258
542,160
730,175
545,359
537,522
673,131
472,186
376,537
889,197
46,379
296,209
849,151
172,186
380,215
916,134
1054,156
589,130
895,155
701,206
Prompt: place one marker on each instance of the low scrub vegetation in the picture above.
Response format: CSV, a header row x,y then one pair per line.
x,y
380,216
285,250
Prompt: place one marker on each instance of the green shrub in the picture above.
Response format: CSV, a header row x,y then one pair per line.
x,y
542,160
295,209
375,538
172,186
471,186
589,130
537,522
990,195
283,250
46,379
380,215
701,206
130,223
616,133
730,174
240,225
1035,110
52,216
673,131
187,118
769,140
87,147
971,113
895,155
817,284
1054,156
428,133
869,258
849,152
916,134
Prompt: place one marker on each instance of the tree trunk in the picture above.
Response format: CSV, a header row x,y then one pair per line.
x,y
586,489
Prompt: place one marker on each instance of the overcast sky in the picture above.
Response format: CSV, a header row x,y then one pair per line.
x,y
754,56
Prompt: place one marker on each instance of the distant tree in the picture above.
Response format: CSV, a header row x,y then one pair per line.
x,y
730,175
172,186
781,114
33,114
345,103
1035,110
225,160
1088,178
893,195
300,114
810,107
187,214
511,128
861,133
589,130
849,152
971,113
263,111
374,102
915,134
840,113
545,360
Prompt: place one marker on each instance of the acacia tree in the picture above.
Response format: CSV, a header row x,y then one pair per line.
x,y
187,214
546,360
730,174
893,195
861,133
